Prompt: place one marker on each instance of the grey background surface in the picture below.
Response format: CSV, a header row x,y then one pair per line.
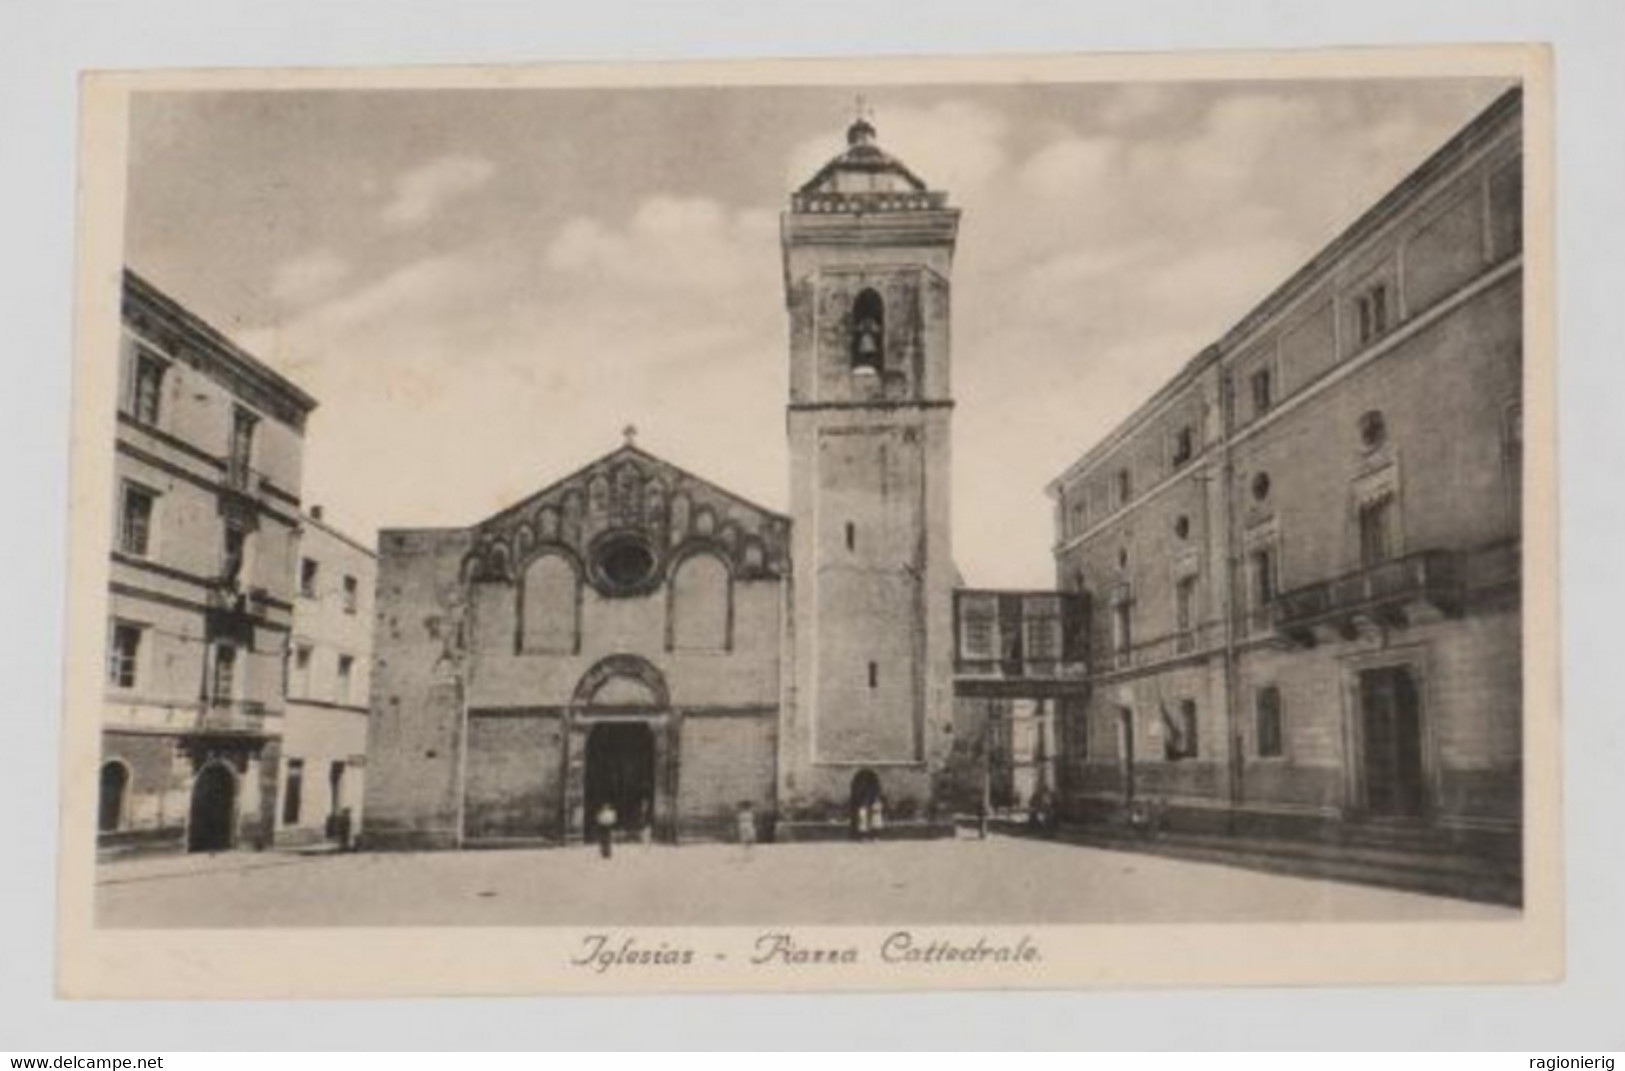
x,y
44,45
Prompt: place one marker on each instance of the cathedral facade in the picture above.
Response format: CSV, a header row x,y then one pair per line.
x,y
638,636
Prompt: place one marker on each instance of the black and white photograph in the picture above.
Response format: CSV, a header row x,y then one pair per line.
x,y
775,526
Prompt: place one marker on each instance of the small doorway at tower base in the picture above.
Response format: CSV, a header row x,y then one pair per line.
x,y
620,771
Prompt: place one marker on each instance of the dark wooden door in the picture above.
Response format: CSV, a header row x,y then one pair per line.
x,y
214,809
1125,751
1391,728
621,772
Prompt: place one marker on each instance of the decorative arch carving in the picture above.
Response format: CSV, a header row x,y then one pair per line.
x,y
549,603
699,599
628,666
547,524
498,563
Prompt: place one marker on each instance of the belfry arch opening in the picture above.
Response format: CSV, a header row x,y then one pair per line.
x,y
868,331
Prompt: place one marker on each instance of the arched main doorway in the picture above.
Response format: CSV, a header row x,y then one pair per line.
x,y
620,770
214,809
865,788
115,782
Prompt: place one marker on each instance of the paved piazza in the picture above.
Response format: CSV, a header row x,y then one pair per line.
x,y
1000,880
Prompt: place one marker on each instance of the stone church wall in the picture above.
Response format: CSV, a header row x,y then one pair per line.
x,y
412,733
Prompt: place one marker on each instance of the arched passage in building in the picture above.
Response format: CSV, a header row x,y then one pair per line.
x,y
620,771
865,791
115,786
213,811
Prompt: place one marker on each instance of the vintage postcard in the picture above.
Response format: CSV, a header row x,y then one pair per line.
x,y
1049,522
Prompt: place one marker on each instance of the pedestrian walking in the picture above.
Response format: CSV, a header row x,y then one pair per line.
x,y
877,820
606,819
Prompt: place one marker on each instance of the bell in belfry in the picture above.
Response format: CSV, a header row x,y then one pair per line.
x,y
868,346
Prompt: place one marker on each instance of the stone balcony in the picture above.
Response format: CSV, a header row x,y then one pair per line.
x,y
232,717
1425,585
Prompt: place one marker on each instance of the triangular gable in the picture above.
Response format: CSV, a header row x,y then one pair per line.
x,y
632,490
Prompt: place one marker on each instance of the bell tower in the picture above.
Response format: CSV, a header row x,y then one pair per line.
x,y
868,253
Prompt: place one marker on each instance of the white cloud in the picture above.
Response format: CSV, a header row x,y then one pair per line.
x,y
670,245
1094,260
1072,167
309,276
421,192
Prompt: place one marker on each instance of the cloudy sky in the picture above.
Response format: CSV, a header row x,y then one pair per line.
x,y
483,287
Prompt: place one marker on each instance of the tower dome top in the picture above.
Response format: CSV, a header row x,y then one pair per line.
x,y
865,169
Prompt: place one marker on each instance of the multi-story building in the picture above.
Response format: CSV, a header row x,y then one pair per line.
x,y
206,510
324,740
1302,553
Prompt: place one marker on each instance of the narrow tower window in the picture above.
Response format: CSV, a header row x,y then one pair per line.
x,y
874,675
868,332
851,536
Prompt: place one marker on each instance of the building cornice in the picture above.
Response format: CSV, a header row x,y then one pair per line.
x,y
212,352
1477,137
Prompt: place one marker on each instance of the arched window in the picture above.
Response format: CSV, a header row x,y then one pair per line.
x,y
868,332
700,608
115,782
549,610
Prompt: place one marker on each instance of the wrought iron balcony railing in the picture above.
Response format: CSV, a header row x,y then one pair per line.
x,y
1431,577
1165,648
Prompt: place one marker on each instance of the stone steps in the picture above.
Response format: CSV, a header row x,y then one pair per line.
x,y
1398,862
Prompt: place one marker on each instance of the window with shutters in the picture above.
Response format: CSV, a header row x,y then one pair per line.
x,y
1185,613
978,627
135,520
299,675
124,655
1267,735
1262,384
1042,620
1377,531
223,688
346,678
1372,313
146,388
